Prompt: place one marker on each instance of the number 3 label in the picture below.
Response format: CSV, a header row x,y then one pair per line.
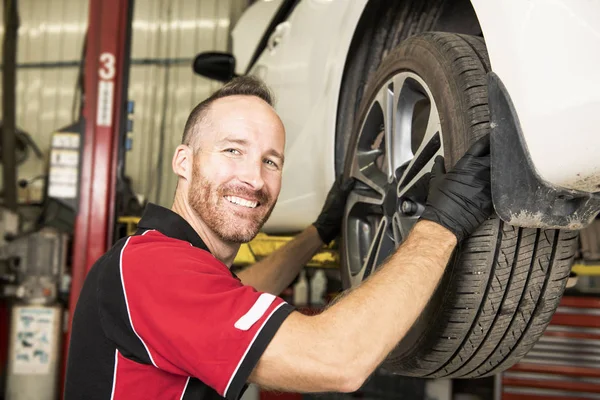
x,y
107,69
106,85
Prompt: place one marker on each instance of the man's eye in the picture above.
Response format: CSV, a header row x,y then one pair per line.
x,y
272,163
232,151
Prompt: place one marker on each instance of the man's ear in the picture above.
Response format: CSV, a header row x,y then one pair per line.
x,y
183,162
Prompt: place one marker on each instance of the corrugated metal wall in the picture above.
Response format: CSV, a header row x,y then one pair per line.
x,y
166,37
49,49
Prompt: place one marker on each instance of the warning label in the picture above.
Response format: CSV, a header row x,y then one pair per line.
x,y
64,165
33,344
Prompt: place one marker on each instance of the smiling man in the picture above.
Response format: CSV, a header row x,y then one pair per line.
x,y
161,316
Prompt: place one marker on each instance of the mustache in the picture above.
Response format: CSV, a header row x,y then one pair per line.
x,y
261,196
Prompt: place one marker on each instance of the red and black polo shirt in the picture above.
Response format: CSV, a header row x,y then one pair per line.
x,y
159,317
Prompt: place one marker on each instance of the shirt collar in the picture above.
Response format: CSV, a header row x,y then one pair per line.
x,y
171,224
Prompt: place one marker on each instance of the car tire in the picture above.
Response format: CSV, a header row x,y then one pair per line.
x,y
504,283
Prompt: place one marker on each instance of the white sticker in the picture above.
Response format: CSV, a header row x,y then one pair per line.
x,y
105,102
64,166
66,140
33,342
65,157
256,312
63,191
64,175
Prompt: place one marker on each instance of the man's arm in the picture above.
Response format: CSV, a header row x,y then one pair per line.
x,y
338,349
275,272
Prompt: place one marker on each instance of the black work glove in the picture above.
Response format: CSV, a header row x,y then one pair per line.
x,y
461,199
329,221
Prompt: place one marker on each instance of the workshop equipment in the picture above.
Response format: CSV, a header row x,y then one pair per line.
x,y
565,362
32,267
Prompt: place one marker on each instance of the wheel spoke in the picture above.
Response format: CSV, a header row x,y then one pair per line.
x,y
386,101
365,198
381,247
433,125
366,171
429,148
405,224
397,229
362,216
405,99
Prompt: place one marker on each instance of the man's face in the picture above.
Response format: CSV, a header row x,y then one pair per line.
x,y
237,167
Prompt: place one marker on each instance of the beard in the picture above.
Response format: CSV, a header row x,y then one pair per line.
x,y
209,203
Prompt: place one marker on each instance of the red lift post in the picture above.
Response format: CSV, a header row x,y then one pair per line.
x,y
106,72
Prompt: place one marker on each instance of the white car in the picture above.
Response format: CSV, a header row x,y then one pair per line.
x,y
376,89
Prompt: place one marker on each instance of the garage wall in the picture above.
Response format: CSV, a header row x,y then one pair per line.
x,y
49,49
166,37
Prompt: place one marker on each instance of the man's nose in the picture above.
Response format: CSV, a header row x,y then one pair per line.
x,y
251,174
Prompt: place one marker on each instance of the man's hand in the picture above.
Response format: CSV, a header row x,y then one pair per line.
x,y
275,272
329,222
461,199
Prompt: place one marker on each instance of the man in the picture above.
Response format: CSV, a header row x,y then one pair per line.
x,y
161,316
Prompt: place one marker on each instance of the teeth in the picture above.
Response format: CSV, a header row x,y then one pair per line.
x,y
242,202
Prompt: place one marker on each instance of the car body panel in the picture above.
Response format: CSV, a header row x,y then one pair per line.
x,y
249,30
305,76
547,53
533,46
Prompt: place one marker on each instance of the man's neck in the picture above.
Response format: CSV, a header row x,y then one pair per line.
x,y
223,251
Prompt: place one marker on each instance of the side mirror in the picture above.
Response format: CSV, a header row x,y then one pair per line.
x,y
215,65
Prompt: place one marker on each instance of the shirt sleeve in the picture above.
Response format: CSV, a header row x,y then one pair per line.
x,y
193,317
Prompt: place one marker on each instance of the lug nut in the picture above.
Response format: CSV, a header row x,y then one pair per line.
x,y
408,207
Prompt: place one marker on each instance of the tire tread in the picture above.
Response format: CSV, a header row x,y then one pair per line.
x,y
509,280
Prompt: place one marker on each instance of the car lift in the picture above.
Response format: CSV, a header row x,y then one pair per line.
x,y
106,76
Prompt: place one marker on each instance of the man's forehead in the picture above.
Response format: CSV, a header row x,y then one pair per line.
x,y
247,116
242,115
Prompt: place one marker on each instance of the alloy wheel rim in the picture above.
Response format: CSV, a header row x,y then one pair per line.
x,y
398,142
